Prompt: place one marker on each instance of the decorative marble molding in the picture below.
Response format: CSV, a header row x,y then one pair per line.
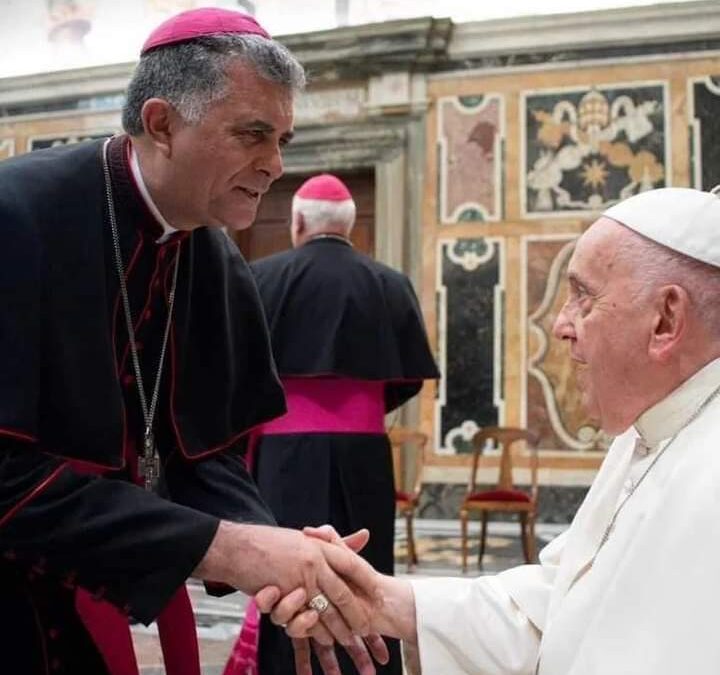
x,y
550,400
704,121
330,105
346,145
603,29
589,147
471,136
353,52
470,287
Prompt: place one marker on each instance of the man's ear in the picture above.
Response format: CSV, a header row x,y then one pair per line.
x,y
672,305
297,227
159,120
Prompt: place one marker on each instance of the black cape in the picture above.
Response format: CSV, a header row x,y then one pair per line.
x,y
59,289
334,311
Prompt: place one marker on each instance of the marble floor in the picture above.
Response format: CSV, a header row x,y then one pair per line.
x,y
438,544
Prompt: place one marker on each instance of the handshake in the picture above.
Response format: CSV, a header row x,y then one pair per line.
x,y
315,585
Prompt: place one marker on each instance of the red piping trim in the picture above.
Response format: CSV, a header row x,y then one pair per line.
x,y
178,436
226,444
33,493
148,300
83,463
140,320
133,260
176,430
232,440
19,435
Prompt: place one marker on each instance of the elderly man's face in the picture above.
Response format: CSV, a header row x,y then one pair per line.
x,y
607,329
222,166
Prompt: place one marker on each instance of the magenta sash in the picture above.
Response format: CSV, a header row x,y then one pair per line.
x,y
330,406
109,627
315,405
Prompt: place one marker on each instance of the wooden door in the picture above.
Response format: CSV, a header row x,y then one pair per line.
x,y
270,232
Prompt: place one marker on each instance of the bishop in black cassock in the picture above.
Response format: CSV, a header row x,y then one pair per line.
x,y
350,345
69,406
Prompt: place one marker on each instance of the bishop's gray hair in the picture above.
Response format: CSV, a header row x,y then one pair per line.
x,y
193,75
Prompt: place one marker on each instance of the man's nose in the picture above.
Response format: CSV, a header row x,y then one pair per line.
x,y
563,328
271,163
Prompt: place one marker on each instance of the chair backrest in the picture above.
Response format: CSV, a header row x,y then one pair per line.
x,y
505,438
401,437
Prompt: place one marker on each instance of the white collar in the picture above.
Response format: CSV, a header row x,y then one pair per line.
x,y
668,416
168,229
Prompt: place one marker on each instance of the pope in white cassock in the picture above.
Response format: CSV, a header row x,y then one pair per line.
x,y
632,588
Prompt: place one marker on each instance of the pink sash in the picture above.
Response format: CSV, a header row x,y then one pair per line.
x,y
110,630
315,405
330,406
244,657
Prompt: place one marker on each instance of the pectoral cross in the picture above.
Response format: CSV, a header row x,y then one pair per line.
x,y
149,461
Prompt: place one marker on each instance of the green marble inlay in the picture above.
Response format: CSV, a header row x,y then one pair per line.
x,y
471,101
470,215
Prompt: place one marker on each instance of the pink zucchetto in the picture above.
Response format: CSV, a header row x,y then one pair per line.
x,y
324,187
201,22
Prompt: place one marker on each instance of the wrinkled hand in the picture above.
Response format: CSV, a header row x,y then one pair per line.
x,y
251,557
306,627
327,658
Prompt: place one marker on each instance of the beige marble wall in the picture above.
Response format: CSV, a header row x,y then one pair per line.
x,y
604,129
569,140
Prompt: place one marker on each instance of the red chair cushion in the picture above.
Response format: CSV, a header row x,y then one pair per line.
x,y
499,496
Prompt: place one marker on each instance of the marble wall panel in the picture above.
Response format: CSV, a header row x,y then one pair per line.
x,y
704,118
587,148
552,402
470,299
7,148
471,134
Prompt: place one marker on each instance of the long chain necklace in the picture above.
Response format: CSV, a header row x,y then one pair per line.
x,y
149,461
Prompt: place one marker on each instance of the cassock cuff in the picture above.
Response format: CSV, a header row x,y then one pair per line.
x,y
149,596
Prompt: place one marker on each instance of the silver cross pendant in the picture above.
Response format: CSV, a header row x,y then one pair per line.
x,y
149,462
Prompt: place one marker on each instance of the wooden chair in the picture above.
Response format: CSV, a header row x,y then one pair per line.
x,y
505,497
406,502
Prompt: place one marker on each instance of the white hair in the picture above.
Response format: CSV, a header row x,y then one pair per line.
x,y
320,214
655,265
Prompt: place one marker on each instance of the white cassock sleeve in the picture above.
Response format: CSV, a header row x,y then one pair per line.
x,y
488,625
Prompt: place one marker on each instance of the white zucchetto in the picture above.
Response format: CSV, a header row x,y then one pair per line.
x,y
683,219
